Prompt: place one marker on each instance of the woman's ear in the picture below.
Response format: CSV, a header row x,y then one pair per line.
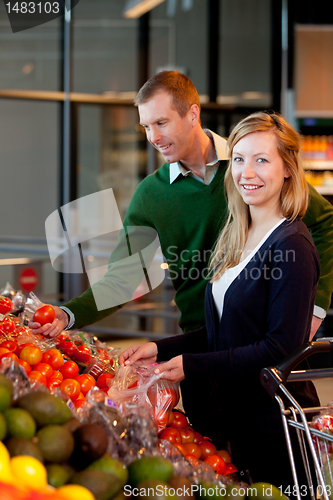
x,y
287,173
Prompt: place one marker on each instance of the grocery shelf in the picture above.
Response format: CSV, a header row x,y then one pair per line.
x,y
317,165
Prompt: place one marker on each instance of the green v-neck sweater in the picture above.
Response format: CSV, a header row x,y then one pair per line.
x,y
188,216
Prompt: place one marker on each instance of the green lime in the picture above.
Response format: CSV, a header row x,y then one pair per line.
x,y
20,423
3,427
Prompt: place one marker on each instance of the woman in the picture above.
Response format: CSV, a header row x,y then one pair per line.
x,y
259,302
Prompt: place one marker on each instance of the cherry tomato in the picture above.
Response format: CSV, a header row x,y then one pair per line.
x,y
32,355
82,354
179,420
69,369
197,437
180,448
68,347
44,315
45,369
171,434
103,355
216,462
192,459
160,418
78,403
187,435
207,448
5,305
229,469
91,377
52,383
193,449
81,396
105,380
10,345
54,358
85,383
3,350
164,398
25,366
7,325
58,375
71,387
37,376
22,346
10,355
225,455
134,385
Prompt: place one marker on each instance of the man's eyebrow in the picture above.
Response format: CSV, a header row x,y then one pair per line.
x,y
160,119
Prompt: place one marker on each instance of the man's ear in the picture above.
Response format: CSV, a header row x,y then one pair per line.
x,y
194,113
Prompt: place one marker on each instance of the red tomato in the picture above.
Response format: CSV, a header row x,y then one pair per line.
x,y
3,350
197,437
104,380
225,455
45,369
7,325
160,418
132,386
52,383
230,469
166,398
71,387
179,420
10,345
207,449
37,376
192,459
5,305
22,346
81,396
216,462
10,355
54,358
68,347
69,369
180,448
58,375
103,355
78,403
85,383
82,354
25,365
187,435
193,449
44,315
32,355
171,434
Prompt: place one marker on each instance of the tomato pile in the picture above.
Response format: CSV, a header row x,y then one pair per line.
x,y
194,446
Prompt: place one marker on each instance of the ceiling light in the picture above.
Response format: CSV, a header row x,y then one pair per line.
x,y
136,8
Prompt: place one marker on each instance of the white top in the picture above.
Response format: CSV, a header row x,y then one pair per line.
x,y
221,285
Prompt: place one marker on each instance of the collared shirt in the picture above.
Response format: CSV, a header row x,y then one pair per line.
x,y
221,151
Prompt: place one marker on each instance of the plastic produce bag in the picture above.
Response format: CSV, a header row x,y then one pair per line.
x,y
141,386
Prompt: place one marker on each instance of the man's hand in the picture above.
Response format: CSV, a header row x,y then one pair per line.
x,y
51,329
143,353
172,370
315,324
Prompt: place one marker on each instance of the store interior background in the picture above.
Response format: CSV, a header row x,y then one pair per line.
x,y
68,126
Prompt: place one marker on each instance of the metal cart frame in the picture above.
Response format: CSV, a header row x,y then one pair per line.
x,y
273,380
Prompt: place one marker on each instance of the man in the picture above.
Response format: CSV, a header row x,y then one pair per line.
x,y
184,202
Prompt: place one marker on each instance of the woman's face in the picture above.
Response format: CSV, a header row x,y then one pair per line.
x,y
258,170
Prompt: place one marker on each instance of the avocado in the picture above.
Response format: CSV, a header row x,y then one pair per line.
x,y
111,466
101,484
23,446
58,474
150,468
56,443
6,392
91,442
45,408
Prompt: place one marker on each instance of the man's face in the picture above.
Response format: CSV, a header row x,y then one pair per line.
x,y
166,130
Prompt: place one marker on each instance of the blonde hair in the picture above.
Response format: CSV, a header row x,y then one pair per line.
x,y
294,193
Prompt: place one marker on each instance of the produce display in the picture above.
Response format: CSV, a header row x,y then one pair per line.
x,y
74,425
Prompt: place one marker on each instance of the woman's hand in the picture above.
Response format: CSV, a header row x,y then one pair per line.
x,y
143,353
51,329
172,370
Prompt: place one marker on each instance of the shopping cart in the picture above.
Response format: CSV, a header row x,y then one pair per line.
x,y
314,444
